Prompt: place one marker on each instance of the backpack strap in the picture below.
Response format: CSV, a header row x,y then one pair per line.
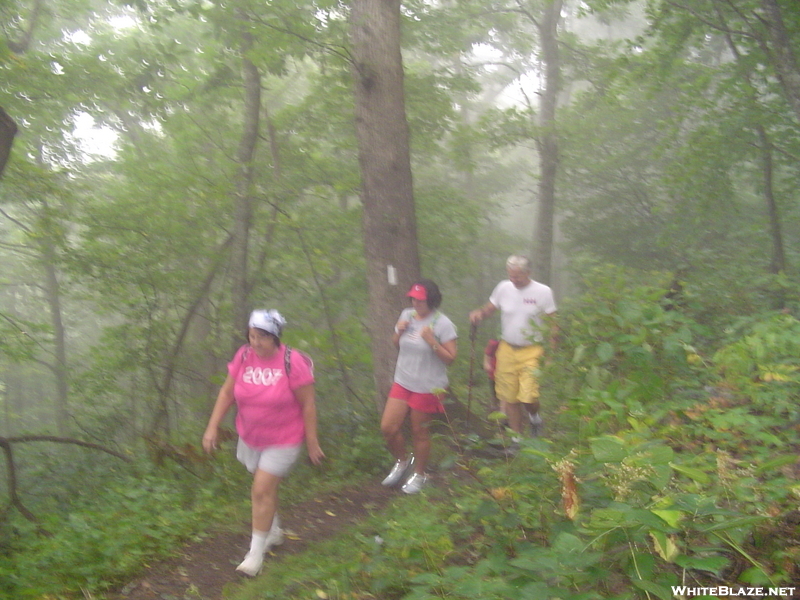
x,y
287,363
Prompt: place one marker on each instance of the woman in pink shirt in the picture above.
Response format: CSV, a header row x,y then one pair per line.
x,y
273,389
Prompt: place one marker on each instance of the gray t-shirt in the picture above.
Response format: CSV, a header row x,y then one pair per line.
x,y
418,368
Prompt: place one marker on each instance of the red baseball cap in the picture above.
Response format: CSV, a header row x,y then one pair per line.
x,y
418,291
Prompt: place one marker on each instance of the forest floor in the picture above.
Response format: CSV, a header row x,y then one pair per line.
x,y
203,569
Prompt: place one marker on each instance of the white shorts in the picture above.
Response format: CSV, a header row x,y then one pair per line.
x,y
275,460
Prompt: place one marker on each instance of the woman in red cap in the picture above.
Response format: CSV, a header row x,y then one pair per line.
x,y
427,344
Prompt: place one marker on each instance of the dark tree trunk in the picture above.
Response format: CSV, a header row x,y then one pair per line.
x,y
547,143
784,59
778,261
389,222
8,129
778,258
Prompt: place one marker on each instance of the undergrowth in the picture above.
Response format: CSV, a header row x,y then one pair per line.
x,y
668,462
103,531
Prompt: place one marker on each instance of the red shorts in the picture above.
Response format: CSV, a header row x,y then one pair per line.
x,y
427,403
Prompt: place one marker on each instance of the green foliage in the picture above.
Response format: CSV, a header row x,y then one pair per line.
x,y
682,447
17,338
674,147
657,473
763,364
622,351
106,521
104,535
667,478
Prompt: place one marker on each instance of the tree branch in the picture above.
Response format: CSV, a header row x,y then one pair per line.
x,y
340,51
711,24
6,444
61,440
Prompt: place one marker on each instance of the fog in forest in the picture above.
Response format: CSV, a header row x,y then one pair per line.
x,y
176,164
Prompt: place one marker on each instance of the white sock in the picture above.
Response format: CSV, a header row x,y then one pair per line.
x,y
276,524
258,542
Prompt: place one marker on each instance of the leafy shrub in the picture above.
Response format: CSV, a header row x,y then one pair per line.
x,y
104,535
763,364
622,352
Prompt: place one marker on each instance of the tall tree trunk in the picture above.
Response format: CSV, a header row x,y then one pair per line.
x,y
547,142
389,222
785,61
243,209
53,293
31,20
164,385
47,252
778,261
778,258
8,129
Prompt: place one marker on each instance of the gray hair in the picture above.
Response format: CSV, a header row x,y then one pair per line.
x,y
516,261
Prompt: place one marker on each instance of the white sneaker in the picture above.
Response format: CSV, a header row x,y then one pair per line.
x,y
253,560
398,472
252,563
415,483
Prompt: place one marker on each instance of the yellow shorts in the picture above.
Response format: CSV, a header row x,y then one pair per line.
x,y
515,377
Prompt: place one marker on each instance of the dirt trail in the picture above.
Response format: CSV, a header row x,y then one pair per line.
x,y
204,568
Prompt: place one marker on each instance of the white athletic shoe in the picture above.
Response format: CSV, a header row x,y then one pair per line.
x,y
252,563
398,472
254,560
415,483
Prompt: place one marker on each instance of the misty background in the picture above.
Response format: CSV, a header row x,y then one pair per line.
x,y
671,135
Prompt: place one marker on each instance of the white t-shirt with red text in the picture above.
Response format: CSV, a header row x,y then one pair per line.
x,y
521,310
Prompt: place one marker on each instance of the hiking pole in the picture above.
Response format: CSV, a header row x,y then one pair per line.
x,y
473,334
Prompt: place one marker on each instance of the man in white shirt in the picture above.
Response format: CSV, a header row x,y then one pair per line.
x,y
526,306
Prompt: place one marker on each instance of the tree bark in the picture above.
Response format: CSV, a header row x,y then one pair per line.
x,y
389,221
8,129
547,143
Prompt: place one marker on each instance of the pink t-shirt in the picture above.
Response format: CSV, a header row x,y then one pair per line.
x,y
268,413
